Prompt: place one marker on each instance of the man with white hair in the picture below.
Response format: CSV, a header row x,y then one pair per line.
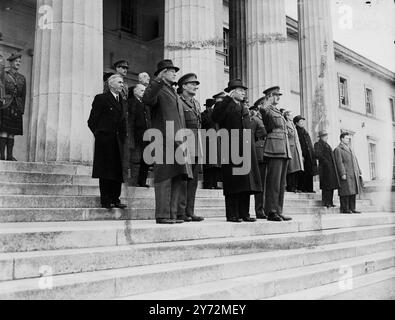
x,y
107,122
144,79
139,122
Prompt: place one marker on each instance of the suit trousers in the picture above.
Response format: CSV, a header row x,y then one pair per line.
x,y
305,182
186,206
348,203
110,191
167,197
292,181
237,205
276,180
211,177
143,172
260,197
327,197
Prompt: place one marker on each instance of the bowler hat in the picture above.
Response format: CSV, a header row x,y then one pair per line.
x,y
210,103
234,84
121,63
166,64
14,56
273,90
188,78
322,133
298,118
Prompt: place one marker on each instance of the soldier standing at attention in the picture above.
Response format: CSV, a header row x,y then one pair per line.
x,y
277,152
187,89
11,113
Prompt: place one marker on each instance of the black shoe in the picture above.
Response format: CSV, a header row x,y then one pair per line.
x,y
179,221
11,159
196,218
237,220
275,218
284,217
356,212
120,205
346,212
249,219
165,221
184,218
261,216
108,206
332,206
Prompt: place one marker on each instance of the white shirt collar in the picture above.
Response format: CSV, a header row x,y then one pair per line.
x,y
115,95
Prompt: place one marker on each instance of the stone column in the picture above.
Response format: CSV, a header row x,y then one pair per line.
x,y
317,66
267,54
190,41
68,73
238,40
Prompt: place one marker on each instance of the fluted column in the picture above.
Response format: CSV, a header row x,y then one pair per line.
x,y
238,39
68,73
268,63
317,66
190,41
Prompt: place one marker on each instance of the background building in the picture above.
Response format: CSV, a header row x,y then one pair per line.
x,y
67,45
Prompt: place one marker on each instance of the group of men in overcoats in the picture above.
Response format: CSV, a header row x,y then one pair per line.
x,y
273,145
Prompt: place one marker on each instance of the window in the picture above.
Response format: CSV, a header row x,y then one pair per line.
x,y
226,46
392,106
128,16
372,161
369,101
343,92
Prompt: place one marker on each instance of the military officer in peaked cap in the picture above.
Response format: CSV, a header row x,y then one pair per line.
x,y
277,153
187,89
11,112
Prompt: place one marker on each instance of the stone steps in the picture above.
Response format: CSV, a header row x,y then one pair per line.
x,y
251,276
10,215
334,291
21,237
20,265
50,168
270,283
41,201
93,190
46,178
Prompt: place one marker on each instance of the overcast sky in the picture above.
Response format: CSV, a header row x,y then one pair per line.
x,y
370,31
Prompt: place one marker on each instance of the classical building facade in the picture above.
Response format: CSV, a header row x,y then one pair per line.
x,y
67,45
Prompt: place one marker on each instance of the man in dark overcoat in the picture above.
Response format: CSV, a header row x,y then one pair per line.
x,y
230,114
139,122
259,133
107,122
187,88
349,174
166,106
306,178
329,180
277,152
